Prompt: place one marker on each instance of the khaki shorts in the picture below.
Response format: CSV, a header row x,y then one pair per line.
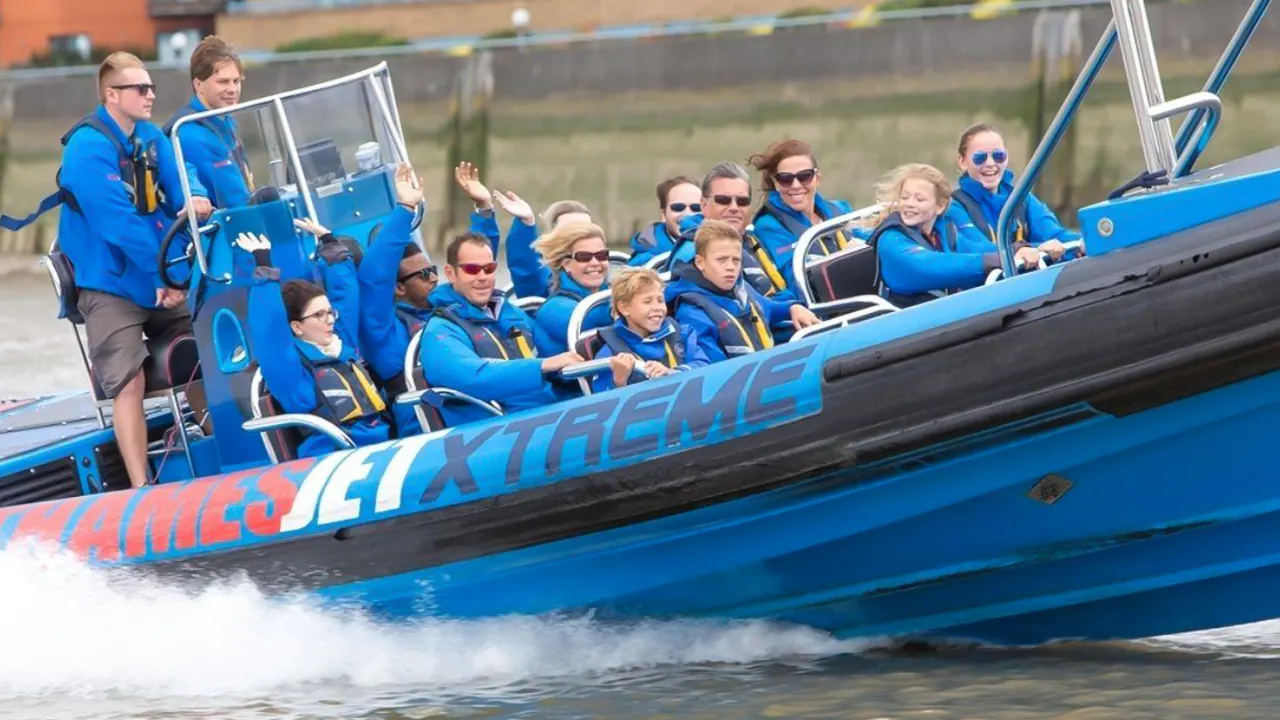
x,y
115,327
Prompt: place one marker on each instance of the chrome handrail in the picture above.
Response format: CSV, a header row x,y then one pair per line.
x,y
579,314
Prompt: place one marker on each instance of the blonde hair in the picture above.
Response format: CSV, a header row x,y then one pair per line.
x,y
889,189
628,283
710,231
561,208
111,67
557,246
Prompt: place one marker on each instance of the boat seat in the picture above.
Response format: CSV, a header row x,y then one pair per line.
x,y
172,364
427,401
530,304
588,346
848,273
282,433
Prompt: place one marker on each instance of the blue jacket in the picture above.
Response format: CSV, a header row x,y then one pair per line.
x,y
284,363
912,266
450,360
553,317
681,341
650,241
384,335
1041,224
735,302
780,235
529,278
212,147
113,248
683,251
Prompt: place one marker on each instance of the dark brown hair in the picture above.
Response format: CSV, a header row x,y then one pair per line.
x,y
297,295
767,162
972,132
666,186
451,252
209,54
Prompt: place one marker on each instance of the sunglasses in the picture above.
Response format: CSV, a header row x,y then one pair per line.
x,y
980,157
727,200
143,89
477,268
425,273
788,179
586,256
329,315
680,207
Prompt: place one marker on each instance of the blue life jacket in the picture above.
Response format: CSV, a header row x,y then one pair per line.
x,y
739,333
516,344
139,172
672,345
226,135
758,266
979,218
894,222
828,245
344,389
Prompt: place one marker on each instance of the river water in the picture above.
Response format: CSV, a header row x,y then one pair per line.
x,y
79,644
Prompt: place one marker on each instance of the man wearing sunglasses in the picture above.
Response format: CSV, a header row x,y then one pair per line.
x,y
678,198
482,345
119,190
212,145
726,196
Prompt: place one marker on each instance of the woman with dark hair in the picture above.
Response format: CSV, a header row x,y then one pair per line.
x,y
320,372
790,178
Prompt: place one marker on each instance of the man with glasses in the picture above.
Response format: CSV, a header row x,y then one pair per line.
x,y
396,281
726,196
212,145
120,190
479,344
678,198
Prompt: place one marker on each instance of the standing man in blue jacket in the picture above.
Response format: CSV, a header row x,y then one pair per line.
x,y
121,189
212,145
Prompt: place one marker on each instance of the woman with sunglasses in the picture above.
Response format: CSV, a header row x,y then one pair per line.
x,y
985,184
678,198
790,178
321,372
578,258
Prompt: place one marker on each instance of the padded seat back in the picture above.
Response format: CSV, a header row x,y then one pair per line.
x,y
851,272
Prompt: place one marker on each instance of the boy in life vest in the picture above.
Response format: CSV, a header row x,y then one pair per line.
x,y
479,344
644,343
730,317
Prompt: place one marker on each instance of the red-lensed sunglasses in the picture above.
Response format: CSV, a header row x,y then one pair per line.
x,y
477,268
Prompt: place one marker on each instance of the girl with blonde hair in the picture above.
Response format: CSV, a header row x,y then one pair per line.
x,y
578,259
644,343
922,256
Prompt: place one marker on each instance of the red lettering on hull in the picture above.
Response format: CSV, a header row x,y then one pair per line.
x,y
96,533
262,518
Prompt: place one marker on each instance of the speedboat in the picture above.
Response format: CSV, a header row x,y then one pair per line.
x,y
1079,451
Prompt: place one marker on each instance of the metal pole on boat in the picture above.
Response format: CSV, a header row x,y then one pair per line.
x,y
1049,143
1138,52
1218,78
303,189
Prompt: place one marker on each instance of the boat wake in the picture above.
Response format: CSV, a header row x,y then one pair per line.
x,y
75,632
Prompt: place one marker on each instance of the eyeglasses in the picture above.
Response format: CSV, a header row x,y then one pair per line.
x,y
477,268
424,274
788,179
980,157
586,256
143,89
329,316
726,200
680,207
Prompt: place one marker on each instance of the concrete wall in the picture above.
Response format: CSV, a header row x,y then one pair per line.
x,y
904,49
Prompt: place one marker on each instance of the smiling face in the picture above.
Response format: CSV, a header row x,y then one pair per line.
x,y
222,89
588,263
316,323
796,180
473,275
985,159
918,203
645,311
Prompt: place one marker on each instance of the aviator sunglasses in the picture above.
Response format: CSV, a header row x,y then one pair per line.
x,y
680,207
788,179
586,256
980,157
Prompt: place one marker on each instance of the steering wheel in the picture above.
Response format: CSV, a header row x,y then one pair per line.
x,y
188,259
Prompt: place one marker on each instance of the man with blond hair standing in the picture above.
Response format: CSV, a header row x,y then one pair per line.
x,y
120,190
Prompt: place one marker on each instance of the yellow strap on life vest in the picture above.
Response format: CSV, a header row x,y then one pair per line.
x,y
842,240
370,391
522,344
671,354
150,200
766,338
501,348
357,410
766,264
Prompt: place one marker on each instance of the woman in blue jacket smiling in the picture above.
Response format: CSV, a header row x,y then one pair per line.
x,y
578,258
985,184
790,179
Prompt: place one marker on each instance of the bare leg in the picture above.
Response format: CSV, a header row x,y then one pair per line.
x,y
199,405
131,429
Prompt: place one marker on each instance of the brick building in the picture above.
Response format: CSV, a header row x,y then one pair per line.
x,y
37,27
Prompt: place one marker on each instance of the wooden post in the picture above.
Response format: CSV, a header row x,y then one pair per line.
x,y
469,129
1057,57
